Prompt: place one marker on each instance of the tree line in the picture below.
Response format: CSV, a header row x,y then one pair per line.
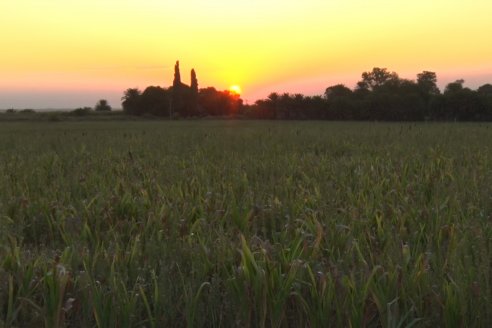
x,y
379,95
181,100
382,95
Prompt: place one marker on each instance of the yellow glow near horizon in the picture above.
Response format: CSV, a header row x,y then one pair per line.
x,y
235,89
261,45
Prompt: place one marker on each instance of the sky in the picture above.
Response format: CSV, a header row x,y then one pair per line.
x,y
71,53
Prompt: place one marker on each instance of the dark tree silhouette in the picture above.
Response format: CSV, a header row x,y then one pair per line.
x,y
454,87
298,103
219,103
176,91
130,100
194,110
376,78
194,82
286,104
427,82
177,75
485,94
260,109
337,91
379,95
273,104
102,106
485,90
340,102
462,104
155,101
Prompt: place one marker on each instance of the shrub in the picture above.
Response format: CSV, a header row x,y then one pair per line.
x,y
82,111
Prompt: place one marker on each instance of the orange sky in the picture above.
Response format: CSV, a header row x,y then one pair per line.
x,y
65,54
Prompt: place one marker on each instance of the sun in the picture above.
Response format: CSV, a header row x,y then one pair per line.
x,y
235,89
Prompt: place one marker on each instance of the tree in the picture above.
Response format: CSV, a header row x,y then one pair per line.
x,y
485,90
102,106
194,82
376,78
454,87
219,103
340,103
130,100
316,107
261,109
193,110
286,104
427,82
177,75
273,104
485,93
337,91
176,91
460,103
155,101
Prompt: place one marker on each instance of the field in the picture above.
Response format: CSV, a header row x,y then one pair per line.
x,y
239,224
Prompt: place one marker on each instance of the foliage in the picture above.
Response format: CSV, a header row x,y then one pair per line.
x,y
200,224
380,95
181,100
383,96
82,111
218,103
102,106
376,78
130,101
155,101
427,82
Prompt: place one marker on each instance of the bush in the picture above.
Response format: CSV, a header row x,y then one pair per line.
x,y
54,117
83,111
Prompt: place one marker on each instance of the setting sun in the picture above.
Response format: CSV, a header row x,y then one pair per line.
x,y
235,89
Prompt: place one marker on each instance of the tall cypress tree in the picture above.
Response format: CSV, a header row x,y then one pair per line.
x,y
177,76
194,82
176,96
194,93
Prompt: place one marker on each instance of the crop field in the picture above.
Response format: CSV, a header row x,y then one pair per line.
x,y
245,224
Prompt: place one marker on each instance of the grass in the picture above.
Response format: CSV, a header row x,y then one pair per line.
x,y
262,224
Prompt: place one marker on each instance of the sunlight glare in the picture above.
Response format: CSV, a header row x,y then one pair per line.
x,y
235,89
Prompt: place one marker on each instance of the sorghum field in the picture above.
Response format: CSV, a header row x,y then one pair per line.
x,y
245,224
